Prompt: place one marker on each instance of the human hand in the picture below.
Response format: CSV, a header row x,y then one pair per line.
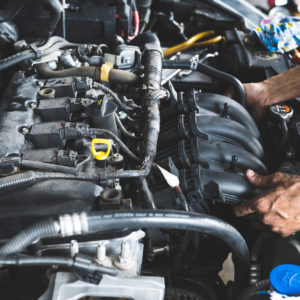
x,y
279,207
255,97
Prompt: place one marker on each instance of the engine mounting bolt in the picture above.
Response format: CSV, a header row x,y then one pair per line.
x,y
74,248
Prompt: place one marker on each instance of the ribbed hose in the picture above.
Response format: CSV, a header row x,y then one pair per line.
x,y
30,177
212,72
26,237
16,59
180,221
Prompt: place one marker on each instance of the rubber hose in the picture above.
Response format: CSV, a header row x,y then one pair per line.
x,y
56,10
115,97
144,38
102,221
212,72
123,77
126,173
48,261
26,237
45,71
31,177
146,193
47,167
251,291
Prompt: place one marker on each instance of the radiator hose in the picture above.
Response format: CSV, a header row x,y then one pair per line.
x,y
101,221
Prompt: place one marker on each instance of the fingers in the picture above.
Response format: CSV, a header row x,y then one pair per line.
x,y
265,181
260,204
245,208
229,93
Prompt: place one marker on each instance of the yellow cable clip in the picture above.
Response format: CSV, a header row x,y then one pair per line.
x,y
104,71
101,155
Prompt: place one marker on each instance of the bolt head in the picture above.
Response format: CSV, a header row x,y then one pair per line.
x,y
25,130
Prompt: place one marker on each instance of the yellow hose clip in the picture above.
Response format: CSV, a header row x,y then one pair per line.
x,y
104,71
101,155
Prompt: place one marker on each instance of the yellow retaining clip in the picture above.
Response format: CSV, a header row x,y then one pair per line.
x,y
104,72
101,155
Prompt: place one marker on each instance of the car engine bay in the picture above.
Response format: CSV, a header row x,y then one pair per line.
x,y
121,157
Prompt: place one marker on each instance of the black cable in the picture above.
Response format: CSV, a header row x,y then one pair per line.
x,y
115,97
212,72
48,48
124,130
85,265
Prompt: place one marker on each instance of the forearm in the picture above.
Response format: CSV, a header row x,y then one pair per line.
x,y
282,87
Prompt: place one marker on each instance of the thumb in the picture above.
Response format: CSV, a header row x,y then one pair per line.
x,y
229,93
259,180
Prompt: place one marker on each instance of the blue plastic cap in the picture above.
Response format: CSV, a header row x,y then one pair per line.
x,y
285,279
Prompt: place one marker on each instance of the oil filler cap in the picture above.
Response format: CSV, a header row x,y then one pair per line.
x,y
282,111
285,279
